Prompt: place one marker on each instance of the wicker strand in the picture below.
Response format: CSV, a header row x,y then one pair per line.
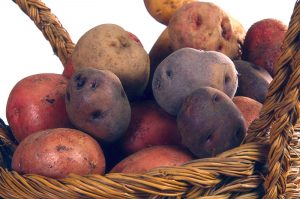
x,y
50,26
286,110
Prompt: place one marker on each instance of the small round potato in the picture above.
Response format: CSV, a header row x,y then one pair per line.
x,y
110,47
57,153
97,104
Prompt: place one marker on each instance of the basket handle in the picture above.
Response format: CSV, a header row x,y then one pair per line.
x,y
280,114
50,26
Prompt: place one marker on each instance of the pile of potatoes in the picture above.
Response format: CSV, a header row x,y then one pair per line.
x,y
118,108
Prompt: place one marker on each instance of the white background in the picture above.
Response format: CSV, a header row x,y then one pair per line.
x,y
24,51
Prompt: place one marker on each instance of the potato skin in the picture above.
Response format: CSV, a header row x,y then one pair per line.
x,y
210,123
263,43
150,125
254,80
58,152
97,104
205,26
249,107
187,69
153,157
110,47
162,11
37,102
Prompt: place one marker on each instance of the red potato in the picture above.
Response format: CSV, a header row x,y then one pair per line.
x,y
153,157
150,125
58,152
36,103
263,42
249,107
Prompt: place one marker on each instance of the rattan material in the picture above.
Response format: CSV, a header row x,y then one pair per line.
x,y
266,165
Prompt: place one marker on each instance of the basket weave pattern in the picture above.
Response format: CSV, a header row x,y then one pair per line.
x,y
266,165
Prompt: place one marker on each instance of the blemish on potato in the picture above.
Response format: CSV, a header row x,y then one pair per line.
x,y
92,165
226,28
61,148
94,84
49,100
68,96
98,114
80,81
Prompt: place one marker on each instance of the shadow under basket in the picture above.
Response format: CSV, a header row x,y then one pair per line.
x,y
266,165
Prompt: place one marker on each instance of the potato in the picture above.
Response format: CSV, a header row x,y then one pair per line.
x,y
162,11
37,102
254,80
210,123
110,47
153,157
263,41
150,125
187,69
97,104
205,26
57,153
250,108
159,51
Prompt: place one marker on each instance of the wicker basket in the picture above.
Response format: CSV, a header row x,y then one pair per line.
x,y
266,165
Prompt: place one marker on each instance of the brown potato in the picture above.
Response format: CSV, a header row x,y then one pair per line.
x,y
153,157
210,123
162,11
205,26
97,104
159,51
150,125
110,47
57,153
187,69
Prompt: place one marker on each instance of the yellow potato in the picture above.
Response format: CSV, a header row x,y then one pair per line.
x,y
162,10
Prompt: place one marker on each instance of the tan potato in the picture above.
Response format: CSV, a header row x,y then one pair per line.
x,y
153,157
205,26
110,47
58,152
159,51
162,10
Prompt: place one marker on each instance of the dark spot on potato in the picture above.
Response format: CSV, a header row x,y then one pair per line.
x,y
226,29
94,85
209,137
68,96
123,41
158,11
157,84
113,44
50,100
98,114
216,98
226,79
80,81
92,165
220,47
169,74
198,21
61,148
